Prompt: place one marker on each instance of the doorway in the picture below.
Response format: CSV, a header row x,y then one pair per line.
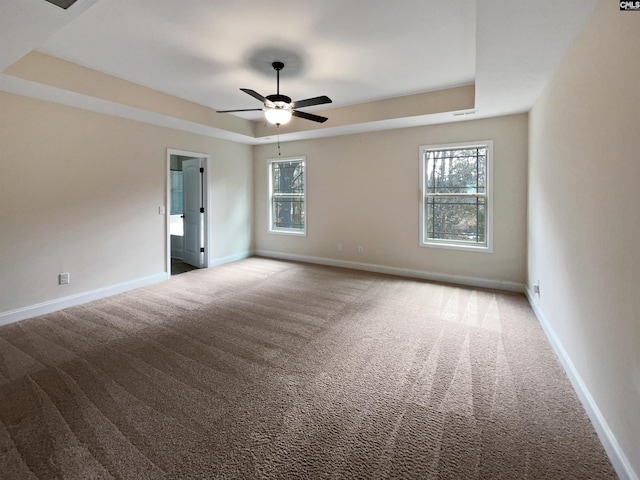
x,y
187,215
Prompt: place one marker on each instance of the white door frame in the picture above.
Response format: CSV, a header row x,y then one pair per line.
x,y
207,210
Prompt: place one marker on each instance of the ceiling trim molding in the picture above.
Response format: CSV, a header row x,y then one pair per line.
x,y
27,88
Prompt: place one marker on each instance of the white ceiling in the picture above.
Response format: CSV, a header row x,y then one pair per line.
x,y
354,51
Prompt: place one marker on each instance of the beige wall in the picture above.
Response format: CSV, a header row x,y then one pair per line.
x,y
80,193
364,190
584,215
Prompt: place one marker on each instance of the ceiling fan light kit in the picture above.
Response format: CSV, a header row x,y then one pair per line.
x,y
278,109
278,115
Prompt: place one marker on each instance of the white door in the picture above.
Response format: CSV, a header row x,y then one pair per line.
x,y
193,211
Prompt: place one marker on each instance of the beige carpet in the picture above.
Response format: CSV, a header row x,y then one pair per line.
x,y
279,370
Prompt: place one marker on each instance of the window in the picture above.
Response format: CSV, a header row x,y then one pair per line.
x,y
287,196
456,205
176,225
176,192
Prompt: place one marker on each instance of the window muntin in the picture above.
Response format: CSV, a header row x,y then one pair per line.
x,y
287,196
456,201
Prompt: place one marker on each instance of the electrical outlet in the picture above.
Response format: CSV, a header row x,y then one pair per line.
x,y
63,279
536,287
360,249
339,247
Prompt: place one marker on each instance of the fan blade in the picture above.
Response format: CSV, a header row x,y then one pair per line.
x,y
254,94
309,102
309,116
242,110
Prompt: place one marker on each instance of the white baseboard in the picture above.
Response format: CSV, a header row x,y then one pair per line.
x,y
77,299
618,459
404,272
214,262
84,297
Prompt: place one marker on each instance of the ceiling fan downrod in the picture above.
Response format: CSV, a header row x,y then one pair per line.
x,y
276,98
277,66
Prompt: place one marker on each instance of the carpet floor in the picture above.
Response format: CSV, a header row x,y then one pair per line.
x,y
264,369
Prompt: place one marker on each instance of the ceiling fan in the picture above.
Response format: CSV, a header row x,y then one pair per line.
x,y
278,109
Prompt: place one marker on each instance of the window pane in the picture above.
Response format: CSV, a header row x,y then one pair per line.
x,y
288,177
288,212
456,218
482,169
176,192
456,171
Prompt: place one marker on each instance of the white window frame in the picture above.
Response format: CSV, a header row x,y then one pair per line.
x,y
452,244
280,230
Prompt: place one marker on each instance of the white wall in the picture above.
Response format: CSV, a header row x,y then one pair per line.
x,y
584,217
80,193
364,190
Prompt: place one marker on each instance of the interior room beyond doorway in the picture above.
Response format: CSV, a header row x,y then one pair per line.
x,y
186,219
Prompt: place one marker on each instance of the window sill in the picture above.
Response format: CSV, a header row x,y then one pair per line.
x,y
456,246
295,233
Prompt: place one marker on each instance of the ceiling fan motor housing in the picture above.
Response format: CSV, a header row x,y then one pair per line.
x,y
278,98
